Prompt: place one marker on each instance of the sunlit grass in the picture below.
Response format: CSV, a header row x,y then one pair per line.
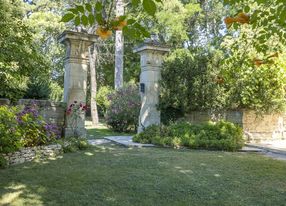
x,y
100,131
114,175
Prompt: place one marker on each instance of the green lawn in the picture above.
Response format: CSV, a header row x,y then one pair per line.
x,y
114,175
102,131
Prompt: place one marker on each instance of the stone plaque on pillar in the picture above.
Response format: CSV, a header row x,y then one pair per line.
x,y
152,54
75,78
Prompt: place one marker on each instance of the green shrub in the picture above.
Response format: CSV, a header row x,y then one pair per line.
x,y
3,162
214,136
148,135
194,75
34,130
57,92
74,144
102,99
37,89
10,136
123,112
24,128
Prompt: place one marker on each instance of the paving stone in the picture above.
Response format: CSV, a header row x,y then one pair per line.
x,y
98,141
250,149
127,141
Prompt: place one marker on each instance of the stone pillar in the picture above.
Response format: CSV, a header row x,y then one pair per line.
x,y
152,54
75,79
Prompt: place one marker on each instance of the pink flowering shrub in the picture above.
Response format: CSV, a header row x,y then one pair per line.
x,y
75,111
123,111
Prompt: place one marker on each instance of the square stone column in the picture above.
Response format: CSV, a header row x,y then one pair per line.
x,y
152,55
75,79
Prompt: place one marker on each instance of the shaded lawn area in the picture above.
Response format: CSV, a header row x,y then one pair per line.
x,y
102,131
114,175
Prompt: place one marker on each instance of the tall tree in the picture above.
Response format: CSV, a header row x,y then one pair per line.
x,y
19,56
93,84
119,45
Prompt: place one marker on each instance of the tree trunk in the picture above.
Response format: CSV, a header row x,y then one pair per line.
x,y
119,45
93,85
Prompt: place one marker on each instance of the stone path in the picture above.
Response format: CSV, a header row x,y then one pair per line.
x,y
98,141
265,149
274,146
250,149
126,141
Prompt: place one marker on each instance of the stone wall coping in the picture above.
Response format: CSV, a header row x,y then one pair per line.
x,y
77,36
42,103
4,101
151,47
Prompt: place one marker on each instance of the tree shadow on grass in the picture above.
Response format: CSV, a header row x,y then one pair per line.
x,y
99,133
114,175
55,181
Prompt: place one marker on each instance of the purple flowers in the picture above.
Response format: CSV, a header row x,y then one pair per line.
x,y
35,130
123,111
29,110
52,130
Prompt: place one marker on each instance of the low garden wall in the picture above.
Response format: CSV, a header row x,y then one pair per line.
x,y
30,153
4,101
256,128
52,112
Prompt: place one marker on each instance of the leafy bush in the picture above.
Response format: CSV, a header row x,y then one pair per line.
x,y
34,130
74,144
24,128
215,136
57,92
123,112
37,88
3,162
102,99
10,136
195,75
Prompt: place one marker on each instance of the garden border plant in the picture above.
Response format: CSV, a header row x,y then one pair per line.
x,y
24,127
219,135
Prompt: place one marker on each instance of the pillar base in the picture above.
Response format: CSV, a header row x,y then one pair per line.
x,y
69,132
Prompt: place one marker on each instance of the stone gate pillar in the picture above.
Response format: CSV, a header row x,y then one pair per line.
x,y
75,79
152,54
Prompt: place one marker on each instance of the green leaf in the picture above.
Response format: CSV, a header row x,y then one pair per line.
x,y
122,18
80,8
98,6
135,3
99,19
88,7
77,21
67,17
131,21
84,20
149,6
73,10
91,19
128,31
247,9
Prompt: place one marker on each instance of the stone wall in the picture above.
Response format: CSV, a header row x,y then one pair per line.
x,y
52,112
30,153
256,128
4,101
